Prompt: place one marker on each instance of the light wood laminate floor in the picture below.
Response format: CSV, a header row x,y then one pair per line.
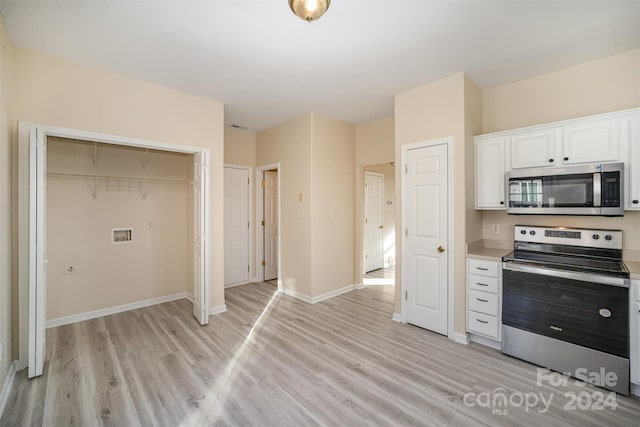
x,y
272,360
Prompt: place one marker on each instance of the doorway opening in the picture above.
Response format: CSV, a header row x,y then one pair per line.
x,y
379,224
32,235
268,260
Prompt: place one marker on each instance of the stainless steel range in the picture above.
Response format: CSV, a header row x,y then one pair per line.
x,y
565,303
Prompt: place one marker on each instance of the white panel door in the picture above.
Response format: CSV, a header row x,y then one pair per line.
x,y
374,220
270,225
200,239
236,225
426,237
37,245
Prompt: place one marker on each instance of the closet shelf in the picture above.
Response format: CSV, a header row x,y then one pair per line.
x,y
119,178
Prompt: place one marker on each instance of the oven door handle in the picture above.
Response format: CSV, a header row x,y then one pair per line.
x,y
573,275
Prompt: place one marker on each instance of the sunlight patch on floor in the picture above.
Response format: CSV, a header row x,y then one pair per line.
x,y
215,399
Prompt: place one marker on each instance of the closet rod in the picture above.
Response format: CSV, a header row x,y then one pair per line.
x,y
119,178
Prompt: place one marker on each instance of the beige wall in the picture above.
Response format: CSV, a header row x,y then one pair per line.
x,y
608,84
332,204
290,145
239,147
158,261
428,112
473,125
374,141
6,293
375,144
53,91
389,235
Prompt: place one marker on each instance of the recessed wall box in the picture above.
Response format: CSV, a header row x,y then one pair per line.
x,y
122,235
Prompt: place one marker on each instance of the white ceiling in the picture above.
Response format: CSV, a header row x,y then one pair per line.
x,y
267,66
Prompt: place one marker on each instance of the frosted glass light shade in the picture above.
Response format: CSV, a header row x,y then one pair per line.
x,y
309,10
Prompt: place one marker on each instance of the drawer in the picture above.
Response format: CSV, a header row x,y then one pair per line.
x,y
483,324
483,268
483,302
481,283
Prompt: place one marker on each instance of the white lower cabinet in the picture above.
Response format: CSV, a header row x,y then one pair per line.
x,y
484,300
634,354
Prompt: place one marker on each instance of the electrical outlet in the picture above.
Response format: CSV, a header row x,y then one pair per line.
x,y
495,228
70,269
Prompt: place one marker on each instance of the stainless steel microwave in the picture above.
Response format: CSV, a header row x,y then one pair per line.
x,y
573,190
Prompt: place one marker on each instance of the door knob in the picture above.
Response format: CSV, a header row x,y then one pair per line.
x,y
440,249
381,226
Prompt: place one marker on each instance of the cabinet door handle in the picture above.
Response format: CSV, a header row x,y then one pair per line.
x,y
481,284
481,321
555,328
482,300
482,268
565,159
635,202
502,203
550,160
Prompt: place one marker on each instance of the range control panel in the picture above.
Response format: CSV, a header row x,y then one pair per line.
x,y
610,239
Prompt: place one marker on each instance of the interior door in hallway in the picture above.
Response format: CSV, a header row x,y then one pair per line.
x,y
426,237
236,225
374,220
270,225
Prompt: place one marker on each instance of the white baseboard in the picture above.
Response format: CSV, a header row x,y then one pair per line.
x,y
319,298
332,294
297,295
6,386
113,310
485,341
359,286
397,317
635,390
189,297
461,338
236,284
217,309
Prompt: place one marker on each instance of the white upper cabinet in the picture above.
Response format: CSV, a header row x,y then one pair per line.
x,y
531,149
605,138
490,169
591,141
632,171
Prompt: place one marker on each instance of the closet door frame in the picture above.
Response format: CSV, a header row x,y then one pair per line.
x,y
28,261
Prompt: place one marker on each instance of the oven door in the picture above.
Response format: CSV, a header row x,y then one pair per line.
x,y
551,303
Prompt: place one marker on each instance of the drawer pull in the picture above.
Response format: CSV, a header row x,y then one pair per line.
x,y
555,328
482,300
481,284
481,321
482,268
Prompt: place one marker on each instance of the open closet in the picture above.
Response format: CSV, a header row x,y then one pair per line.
x,y
119,227
108,224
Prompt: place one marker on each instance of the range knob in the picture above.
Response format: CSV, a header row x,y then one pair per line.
x,y
532,232
523,231
608,237
596,236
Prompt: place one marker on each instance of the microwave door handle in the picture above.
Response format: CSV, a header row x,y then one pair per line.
x,y
597,190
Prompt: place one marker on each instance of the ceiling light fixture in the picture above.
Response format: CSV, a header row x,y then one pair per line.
x,y
309,10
